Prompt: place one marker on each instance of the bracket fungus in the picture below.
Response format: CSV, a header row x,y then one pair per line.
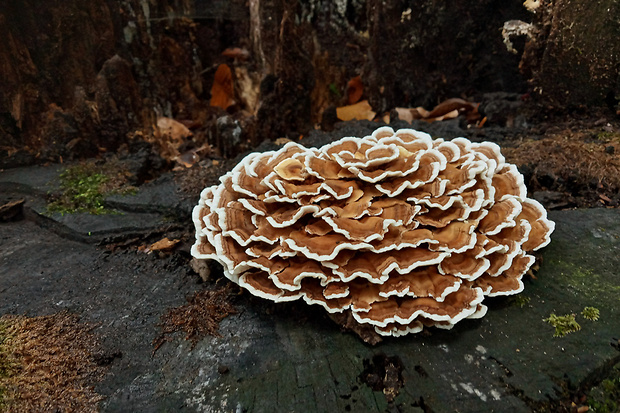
x,y
398,229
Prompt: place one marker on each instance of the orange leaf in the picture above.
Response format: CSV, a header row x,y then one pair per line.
x,y
355,89
359,111
164,244
222,91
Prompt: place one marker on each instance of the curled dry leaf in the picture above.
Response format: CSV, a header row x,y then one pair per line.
x,y
448,109
169,134
237,53
222,91
450,105
360,111
355,89
397,229
188,158
163,245
173,130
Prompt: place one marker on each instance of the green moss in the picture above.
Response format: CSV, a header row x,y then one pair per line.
x,y
334,89
591,313
605,398
608,136
584,280
520,301
84,187
563,324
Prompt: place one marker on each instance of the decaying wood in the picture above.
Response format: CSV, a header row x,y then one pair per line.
x,y
97,74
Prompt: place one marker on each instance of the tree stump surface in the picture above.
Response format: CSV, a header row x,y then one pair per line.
x,y
291,357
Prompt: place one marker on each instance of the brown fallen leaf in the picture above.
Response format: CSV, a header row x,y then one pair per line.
x,y
173,130
355,89
188,159
237,53
448,109
450,105
604,198
405,114
163,245
450,115
168,136
360,111
222,91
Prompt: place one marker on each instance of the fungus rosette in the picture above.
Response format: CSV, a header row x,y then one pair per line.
x,y
401,230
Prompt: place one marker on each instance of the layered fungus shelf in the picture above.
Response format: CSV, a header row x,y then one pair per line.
x,y
401,230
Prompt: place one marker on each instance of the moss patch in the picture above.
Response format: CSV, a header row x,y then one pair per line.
x,y
591,313
519,300
584,281
564,324
605,398
85,185
47,364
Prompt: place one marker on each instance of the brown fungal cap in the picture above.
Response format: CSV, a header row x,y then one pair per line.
x,y
396,229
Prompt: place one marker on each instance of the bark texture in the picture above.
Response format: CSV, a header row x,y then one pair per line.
x,y
78,78
574,58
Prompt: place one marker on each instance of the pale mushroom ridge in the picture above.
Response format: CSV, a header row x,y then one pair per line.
x,y
401,230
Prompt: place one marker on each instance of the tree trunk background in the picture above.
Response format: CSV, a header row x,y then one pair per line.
x,y
574,59
80,77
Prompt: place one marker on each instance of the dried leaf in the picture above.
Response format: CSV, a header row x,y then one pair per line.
x,y
355,89
236,53
359,111
188,159
222,91
450,105
450,115
163,245
405,114
409,114
448,109
168,137
172,130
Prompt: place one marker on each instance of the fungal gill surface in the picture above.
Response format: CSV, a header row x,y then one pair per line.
x,y
398,229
